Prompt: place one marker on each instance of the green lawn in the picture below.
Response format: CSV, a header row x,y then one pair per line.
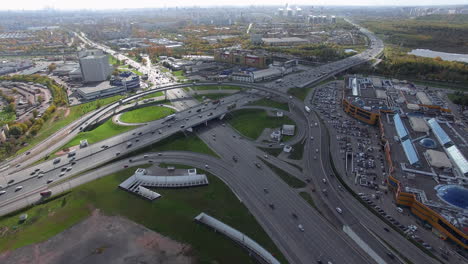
x,y
113,60
300,93
271,103
252,122
209,96
123,69
298,150
151,95
107,130
137,72
171,215
286,177
179,141
146,114
6,117
179,75
217,87
58,120
272,151
306,196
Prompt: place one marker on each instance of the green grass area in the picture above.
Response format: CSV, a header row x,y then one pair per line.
x,y
252,122
146,114
306,196
179,75
286,177
172,216
123,69
58,120
458,98
209,96
271,103
6,117
295,165
107,130
137,72
300,93
151,95
179,141
298,150
113,60
272,151
217,87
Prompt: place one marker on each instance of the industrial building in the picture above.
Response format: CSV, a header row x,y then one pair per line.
x,y
7,67
274,71
99,90
247,58
288,41
123,83
94,65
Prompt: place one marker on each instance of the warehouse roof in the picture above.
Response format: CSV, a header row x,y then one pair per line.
x,y
418,124
422,97
438,159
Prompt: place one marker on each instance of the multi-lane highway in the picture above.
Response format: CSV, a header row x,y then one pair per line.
x,y
318,239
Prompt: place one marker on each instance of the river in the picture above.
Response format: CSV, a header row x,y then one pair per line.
x,y
444,55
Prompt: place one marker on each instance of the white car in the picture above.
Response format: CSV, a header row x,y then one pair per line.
x,y
300,227
18,188
2,192
339,210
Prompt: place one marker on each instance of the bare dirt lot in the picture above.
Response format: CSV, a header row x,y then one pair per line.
x,y
103,239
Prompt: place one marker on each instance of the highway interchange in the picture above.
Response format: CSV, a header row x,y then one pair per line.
x,y
321,238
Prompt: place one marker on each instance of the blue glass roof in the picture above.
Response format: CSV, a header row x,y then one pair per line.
x,y
440,134
400,127
410,152
457,157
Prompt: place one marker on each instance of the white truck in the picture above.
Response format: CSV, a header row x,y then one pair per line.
x,y
169,117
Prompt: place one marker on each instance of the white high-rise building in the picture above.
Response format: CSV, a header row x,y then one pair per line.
x,y
94,66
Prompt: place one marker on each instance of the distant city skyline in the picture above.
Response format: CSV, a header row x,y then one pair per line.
x,y
121,4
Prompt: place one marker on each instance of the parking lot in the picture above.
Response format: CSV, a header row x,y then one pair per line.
x,y
359,156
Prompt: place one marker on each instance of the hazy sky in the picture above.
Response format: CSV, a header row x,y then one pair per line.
x,y
117,4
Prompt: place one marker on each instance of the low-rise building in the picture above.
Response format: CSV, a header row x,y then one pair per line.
x,y
99,90
242,57
288,130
